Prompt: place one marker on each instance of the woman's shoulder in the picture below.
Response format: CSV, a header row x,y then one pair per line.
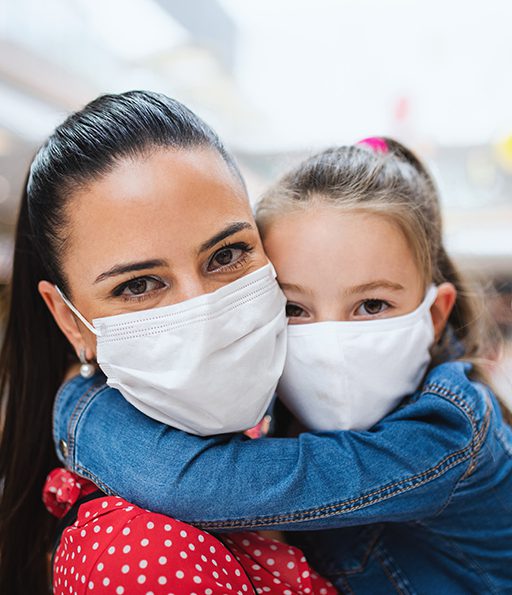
x,y
117,547
72,399
77,389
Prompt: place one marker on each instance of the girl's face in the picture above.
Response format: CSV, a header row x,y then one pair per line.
x,y
339,265
156,230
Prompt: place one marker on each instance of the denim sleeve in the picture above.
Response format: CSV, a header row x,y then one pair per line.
x,y
405,468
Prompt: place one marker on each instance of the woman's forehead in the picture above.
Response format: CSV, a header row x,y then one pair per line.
x,y
166,202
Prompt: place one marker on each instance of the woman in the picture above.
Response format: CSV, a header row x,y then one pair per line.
x,y
147,188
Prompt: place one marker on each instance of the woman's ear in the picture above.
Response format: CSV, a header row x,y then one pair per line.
x,y
442,307
63,316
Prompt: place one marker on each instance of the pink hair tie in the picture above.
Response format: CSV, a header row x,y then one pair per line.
x,y
379,145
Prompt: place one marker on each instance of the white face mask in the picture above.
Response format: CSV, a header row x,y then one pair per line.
x,y
208,365
349,375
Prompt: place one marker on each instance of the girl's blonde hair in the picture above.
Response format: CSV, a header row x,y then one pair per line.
x,y
386,178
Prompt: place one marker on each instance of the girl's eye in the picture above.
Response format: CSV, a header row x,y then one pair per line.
x,y
136,288
294,311
229,257
372,307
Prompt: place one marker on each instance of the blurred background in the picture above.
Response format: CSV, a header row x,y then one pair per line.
x,y
280,79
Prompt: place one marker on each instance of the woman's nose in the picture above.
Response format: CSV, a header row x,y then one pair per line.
x,y
189,287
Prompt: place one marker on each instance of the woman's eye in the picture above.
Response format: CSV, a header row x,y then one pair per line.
x,y
294,311
230,256
372,307
138,287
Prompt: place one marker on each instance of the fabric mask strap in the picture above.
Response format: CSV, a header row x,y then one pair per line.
x,y
76,312
430,297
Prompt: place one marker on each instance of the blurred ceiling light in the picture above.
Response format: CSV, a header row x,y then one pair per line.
x,y
504,153
136,30
28,69
25,116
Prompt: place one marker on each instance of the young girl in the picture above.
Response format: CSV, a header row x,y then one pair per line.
x,y
413,493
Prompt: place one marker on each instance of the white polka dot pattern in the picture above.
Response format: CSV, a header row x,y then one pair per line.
x,y
117,548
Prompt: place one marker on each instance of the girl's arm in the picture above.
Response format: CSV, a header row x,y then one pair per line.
x,y
405,468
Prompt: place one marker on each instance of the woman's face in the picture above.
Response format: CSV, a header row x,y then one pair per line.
x,y
156,230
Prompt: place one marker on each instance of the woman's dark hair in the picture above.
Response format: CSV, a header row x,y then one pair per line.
x,y
35,354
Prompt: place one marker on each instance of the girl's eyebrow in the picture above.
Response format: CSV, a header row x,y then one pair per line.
x,y
121,269
294,287
373,285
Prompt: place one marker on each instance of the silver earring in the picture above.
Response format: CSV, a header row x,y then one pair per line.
x,y
87,370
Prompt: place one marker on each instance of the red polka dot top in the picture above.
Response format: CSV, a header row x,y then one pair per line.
x,y
116,548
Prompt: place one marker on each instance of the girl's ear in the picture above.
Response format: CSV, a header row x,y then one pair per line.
x,y
442,307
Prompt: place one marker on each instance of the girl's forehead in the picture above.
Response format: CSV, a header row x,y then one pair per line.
x,y
333,247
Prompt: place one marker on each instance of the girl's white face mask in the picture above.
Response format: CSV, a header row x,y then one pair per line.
x,y
349,375
208,365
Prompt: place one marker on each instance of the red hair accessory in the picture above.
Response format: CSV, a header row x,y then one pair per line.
x,y
62,489
379,145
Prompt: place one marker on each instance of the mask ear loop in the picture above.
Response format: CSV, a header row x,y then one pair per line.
x,y
76,312
431,296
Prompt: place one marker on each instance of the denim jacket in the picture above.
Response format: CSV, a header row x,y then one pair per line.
x,y
420,503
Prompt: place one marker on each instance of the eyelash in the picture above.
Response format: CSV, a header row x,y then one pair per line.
x,y
246,249
118,291
384,303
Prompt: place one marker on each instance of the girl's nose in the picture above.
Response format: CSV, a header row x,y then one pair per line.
x,y
330,312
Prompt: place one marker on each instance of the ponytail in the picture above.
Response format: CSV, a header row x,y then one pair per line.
x,y
473,326
35,354
33,361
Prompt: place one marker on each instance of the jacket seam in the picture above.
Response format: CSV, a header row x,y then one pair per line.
x,y
313,513
380,554
341,507
454,398
478,435
477,444
344,507
468,560
361,567
377,496
83,472
347,589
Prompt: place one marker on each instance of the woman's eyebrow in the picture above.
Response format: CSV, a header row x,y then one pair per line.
x,y
225,233
120,269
